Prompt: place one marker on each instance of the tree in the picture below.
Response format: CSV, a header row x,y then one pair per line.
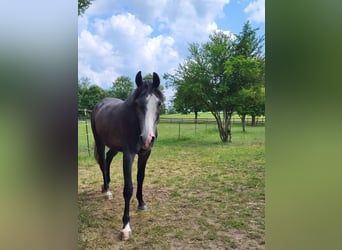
x,y
203,76
246,69
215,74
247,43
83,86
83,5
122,87
251,102
89,95
187,98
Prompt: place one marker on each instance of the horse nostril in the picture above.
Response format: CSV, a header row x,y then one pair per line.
x,y
152,140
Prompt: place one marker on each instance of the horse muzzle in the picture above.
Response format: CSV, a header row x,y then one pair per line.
x,y
147,141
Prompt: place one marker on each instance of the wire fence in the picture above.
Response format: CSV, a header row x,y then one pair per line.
x,y
176,128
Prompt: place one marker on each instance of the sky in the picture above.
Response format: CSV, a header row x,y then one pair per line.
x,y
121,37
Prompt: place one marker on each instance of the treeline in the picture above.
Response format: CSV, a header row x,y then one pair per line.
x,y
89,94
224,75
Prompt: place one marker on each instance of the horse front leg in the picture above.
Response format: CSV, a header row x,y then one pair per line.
x,y
142,160
127,193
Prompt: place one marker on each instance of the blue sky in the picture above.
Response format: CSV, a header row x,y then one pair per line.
x,y
121,37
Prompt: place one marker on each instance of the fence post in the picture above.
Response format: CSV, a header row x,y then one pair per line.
x,y
179,129
86,124
195,127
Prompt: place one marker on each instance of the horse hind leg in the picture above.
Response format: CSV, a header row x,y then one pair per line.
x,y
105,188
109,157
99,152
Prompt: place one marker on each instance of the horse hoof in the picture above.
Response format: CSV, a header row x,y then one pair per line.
x,y
108,195
142,207
126,233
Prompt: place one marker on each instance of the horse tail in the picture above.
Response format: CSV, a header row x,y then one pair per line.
x,y
93,128
96,154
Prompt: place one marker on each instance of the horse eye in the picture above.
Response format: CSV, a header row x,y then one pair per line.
x,y
159,103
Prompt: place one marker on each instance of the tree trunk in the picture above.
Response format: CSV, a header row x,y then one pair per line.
x,y
224,127
243,122
227,121
253,120
196,115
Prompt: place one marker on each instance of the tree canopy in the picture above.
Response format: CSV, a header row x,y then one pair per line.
x,y
89,95
83,5
122,87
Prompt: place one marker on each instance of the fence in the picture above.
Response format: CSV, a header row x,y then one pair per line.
x,y
175,127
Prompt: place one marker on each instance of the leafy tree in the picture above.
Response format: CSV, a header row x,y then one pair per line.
x,y
215,74
89,95
83,5
186,100
247,42
203,77
122,87
188,97
83,86
92,96
247,69
251,102
149,76
95,94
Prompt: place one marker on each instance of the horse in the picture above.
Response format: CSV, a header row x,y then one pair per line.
x,y
129,127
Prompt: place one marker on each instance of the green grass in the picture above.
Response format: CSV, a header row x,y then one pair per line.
x,y
200,192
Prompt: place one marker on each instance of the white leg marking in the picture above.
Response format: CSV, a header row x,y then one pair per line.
x,y
127,228
109,195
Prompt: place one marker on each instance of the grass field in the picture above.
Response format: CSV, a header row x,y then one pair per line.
x,y
201,194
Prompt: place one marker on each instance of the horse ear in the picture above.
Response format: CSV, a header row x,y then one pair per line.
x,y
138,79
156,80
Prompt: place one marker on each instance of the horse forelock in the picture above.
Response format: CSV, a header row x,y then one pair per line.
x,y
145,89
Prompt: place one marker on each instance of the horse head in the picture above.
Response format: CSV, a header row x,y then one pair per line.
x,y
148,99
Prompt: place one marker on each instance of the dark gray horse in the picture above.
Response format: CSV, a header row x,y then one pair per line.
x,y
130,127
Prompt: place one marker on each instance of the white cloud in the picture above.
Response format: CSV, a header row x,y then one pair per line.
x,y
121,37
122,45
96,59
256,11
